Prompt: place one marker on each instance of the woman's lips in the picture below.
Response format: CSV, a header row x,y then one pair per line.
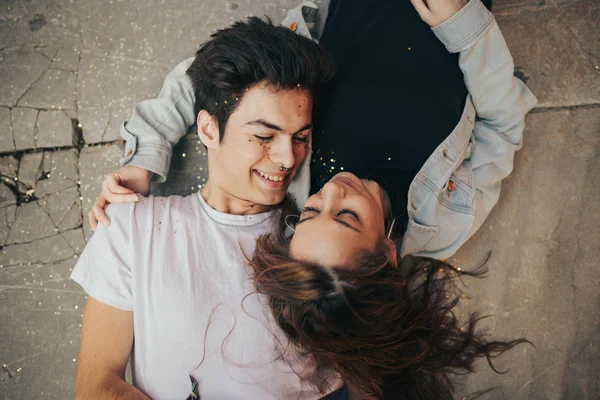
x,y
346,181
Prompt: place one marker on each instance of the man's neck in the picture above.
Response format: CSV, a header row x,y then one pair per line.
x,y
225,202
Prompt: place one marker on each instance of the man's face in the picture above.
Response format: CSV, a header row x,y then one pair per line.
x,y
269,129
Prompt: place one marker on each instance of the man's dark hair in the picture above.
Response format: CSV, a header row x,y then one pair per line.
x,y
246,53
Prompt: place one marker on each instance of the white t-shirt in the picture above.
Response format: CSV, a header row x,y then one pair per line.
x,y
178,265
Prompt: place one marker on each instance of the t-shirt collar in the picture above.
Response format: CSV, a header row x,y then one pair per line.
x,y
232,219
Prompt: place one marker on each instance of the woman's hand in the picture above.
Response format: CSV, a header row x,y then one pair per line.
x,y
434,12
119,186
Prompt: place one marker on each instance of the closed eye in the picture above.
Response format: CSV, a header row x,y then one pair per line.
x,y
348,211
308,209
263,138
343,211
301,139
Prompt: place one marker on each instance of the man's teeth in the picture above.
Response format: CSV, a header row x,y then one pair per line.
x,y
271,178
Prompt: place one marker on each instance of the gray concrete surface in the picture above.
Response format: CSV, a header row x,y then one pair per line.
x,y
71,71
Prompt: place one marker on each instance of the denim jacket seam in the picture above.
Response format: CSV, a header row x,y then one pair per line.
x,y
503,135
454,17
472,38
415,225
453,207
465,209
174,107
159,146
454,48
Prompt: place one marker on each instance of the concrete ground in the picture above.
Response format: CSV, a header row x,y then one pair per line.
x,y
70,73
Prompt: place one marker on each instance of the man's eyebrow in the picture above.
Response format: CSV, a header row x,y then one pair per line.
x,y
274,127
339,221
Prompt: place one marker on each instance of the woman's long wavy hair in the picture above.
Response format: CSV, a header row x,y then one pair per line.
x,y
388,329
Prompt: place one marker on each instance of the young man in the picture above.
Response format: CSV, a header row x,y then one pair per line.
x,y
169,273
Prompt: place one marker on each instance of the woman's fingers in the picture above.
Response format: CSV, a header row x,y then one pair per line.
x,y
97,214
93,220
423,10
116,193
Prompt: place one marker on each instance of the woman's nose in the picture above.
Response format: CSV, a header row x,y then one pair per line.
x,y
332,191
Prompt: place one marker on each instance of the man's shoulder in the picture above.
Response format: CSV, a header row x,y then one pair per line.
x,y
153,205
131,218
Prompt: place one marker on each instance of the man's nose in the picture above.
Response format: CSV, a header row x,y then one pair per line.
x,y
282,152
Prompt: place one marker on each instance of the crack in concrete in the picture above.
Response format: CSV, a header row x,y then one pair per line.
x,y
18,188
48,214
69,244
40,238
42,54
35,129
17,211
4,288
106,126
521,9
75,94
587,106
79,188
124,58
29,263
12,129
38,108
57,148
33,84
65,216
25,358
45,197
8,371
569,360
587,54
77,136
45,237
15,268
6,219
38,285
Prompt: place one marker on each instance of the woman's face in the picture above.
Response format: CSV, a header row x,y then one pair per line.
x,y
346,216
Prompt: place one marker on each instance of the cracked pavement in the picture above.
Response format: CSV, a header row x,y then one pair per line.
x,y
71,72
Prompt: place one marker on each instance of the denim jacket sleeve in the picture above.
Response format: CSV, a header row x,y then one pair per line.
x,y
157,124
501,102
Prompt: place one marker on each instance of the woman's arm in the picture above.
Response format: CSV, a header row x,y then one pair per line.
x,y
156,125
501,101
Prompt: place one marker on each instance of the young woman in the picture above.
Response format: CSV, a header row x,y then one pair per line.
x,y
336,286
430,120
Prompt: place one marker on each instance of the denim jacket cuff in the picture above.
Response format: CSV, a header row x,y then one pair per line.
x,y
154,158
465,27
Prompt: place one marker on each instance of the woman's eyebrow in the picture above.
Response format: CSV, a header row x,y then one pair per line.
x,y
339,221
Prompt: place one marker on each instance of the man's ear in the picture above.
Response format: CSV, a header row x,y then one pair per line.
x,y
208,129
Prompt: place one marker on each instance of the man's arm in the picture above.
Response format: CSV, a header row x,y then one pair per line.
x,y
106,341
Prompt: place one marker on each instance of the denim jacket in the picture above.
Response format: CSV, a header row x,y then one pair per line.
x,y
458,185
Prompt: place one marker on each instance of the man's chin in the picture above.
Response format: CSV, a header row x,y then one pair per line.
x,y
273,200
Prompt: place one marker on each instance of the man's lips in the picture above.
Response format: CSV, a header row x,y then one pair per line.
x,y
273,177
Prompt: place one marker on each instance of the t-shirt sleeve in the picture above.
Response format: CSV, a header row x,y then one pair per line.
x,y
104,268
